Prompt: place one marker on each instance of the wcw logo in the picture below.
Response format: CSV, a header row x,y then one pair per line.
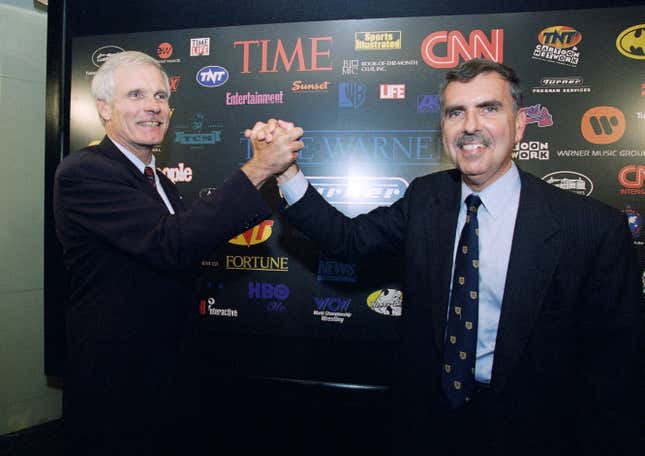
x,y
256,235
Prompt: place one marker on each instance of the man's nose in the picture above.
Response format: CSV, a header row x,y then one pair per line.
x,y
471,122
152,104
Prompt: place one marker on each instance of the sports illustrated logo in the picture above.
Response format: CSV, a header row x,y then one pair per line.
x,y
271,296
428,104
377,41
531,150
180,173
164,50
351,94
257,263
212,76
100,55
386,302
635,222
375,191
309,87
332,309
392,92
447,49
631,177
350,67
539,115
314,55
330,270
558,44
561,84
631,42
198,132
208,306
174,83
603,125
570,180
256,235
200,47
255,98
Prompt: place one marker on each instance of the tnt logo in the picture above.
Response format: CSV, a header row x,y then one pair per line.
x,y
212,76
392,92
560,36
256,235
603,125
164,50
351,94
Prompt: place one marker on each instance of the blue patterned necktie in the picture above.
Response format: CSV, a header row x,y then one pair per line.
x,y
460,346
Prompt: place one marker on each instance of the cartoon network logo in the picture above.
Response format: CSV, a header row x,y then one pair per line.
x,y
256,235
378,191
445,49
558,44
212,76
387,301
531,150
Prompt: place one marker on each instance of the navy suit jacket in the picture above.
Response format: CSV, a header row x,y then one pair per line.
x,y
131,267
566,358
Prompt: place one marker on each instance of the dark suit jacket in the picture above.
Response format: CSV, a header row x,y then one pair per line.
x,y
566,355
130,265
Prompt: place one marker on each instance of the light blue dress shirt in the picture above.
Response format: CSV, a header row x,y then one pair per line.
x,y
496,217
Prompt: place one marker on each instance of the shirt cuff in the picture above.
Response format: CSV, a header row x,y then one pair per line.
x,y
294,189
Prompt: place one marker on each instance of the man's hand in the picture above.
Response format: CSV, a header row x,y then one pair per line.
x,y
275,147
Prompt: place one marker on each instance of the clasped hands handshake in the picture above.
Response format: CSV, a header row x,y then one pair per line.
x,y
275,146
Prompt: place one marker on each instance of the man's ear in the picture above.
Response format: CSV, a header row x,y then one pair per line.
x,y
104,110
520,125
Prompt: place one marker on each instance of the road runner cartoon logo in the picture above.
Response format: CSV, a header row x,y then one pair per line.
x,y
631,42
386,302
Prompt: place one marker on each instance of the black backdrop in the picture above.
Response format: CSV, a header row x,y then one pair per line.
x,y
346,375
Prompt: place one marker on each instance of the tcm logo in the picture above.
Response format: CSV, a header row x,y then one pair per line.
x,y
103,53
631,42
428,104
173,81
377,191
351,94
313,55
256,235
560,36
603,125
302,86
392,92
330,270
200,46
212,76
164,50
570,180
377,41
444,49
634,221
531,150
538,114
181,173
386,302
631,177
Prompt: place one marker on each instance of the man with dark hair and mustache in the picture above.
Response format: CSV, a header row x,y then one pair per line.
x,y
534,348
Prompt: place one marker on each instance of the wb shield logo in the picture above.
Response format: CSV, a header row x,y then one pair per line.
x,y
351,94
212,76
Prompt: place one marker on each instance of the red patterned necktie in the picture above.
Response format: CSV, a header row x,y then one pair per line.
x,y
150,175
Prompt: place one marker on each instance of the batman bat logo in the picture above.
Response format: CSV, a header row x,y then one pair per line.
x,y
631,42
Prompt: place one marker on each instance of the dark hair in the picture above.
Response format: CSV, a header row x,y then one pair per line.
x,y
473,68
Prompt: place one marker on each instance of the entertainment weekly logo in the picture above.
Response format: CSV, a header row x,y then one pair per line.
x,y
255,98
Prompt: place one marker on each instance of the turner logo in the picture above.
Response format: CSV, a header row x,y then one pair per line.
x,y
377,191
212,76
200,47
256,235
570,180
351,94
603,125
181,173
631,177
631,42
330,270
562,84
445,49
313,55
377,41
332,309
103,53
558,44
386,302
271,296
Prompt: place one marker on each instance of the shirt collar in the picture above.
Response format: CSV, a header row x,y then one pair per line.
x,y
497,195
136,161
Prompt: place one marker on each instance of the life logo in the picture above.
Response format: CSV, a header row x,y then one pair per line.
x,y
456,47
256,235
103,53
387,301
631,42
378,191
560,36
212,76
603,125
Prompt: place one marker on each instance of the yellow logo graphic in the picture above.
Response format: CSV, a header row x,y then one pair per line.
x,y
256,235
560,36
631,42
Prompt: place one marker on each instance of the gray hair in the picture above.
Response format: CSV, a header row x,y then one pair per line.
x,y
469,70
103,81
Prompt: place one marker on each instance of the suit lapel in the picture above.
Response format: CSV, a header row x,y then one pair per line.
x,y
534,255
171,192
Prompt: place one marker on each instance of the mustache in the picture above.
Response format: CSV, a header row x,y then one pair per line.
x,y
469,138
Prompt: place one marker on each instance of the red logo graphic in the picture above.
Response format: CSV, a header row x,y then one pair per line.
x,y
631,177
392,92
174,83
603,125
202,307
643,89
456,46
315,55
164,50
256,235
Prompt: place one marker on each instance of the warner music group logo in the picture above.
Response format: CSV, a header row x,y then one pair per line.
x,y
558,44
445,49
164,52
631,178
603,125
